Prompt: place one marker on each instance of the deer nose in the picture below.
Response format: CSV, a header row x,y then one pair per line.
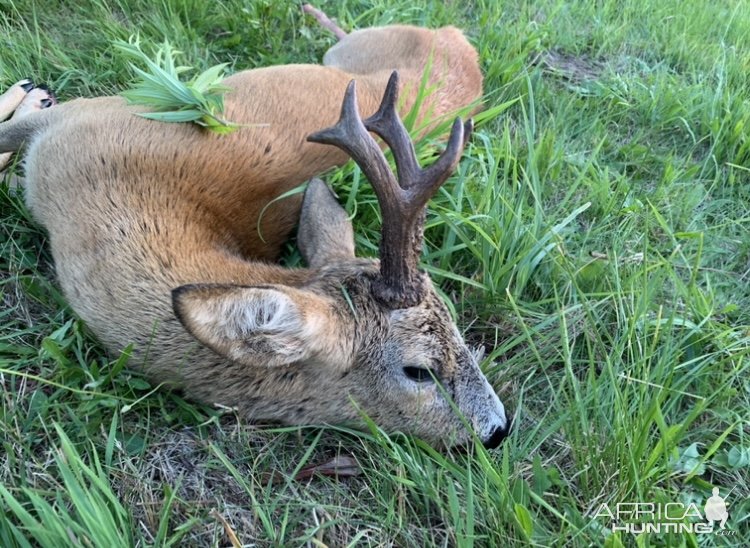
x,y
497,436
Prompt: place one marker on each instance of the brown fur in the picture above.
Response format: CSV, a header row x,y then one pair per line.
x,y
136,209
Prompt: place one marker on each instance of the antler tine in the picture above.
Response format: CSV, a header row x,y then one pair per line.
x,y
421,184
432,178
350,135
401,200
388,125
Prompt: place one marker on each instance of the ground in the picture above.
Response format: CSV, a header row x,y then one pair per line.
x,y
595,244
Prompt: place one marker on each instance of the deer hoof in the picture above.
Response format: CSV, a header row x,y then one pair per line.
x,y
39,98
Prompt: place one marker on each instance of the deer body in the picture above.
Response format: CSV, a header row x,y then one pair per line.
x,y
154,233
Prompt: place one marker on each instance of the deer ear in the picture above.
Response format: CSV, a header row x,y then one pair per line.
x,y
325,232
258,326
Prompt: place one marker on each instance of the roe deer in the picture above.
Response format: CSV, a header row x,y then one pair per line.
x,y
152,228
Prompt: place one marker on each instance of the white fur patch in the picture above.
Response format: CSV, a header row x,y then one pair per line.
x,y
264,325
270,312
253,311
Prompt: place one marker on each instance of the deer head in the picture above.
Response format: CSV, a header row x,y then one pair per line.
x,y
359,335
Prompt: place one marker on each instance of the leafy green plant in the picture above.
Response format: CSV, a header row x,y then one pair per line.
x,y
200,100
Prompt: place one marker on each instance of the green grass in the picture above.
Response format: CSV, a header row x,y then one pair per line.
x,y
595,242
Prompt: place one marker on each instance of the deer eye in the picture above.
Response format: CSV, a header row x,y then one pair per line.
x,y
420,374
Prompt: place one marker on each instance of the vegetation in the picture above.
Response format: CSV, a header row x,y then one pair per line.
x,y
595,243
199,101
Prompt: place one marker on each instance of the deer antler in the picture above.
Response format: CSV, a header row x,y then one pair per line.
x,y
402,200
